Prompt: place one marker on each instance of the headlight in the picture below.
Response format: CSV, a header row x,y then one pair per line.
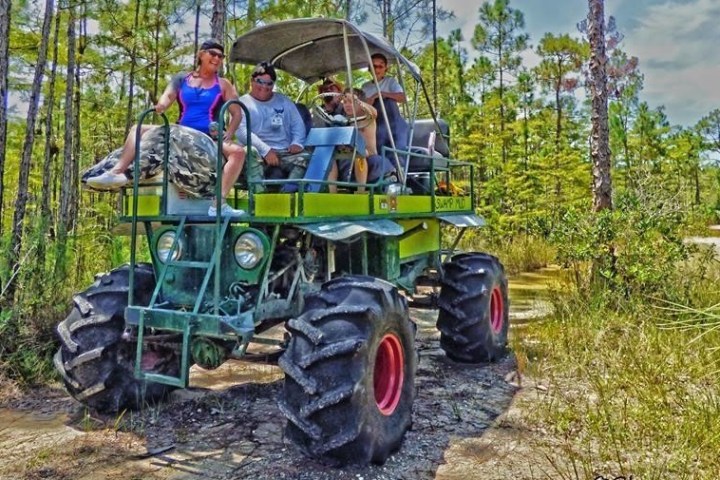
x,y
164,244
248,250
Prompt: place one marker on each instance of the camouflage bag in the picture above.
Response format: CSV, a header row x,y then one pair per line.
x,y
191,161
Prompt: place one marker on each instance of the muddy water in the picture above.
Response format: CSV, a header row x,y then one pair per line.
x,y
529,294
21,433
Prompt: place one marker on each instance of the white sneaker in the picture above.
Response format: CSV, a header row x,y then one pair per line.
x,y
107,181
225,211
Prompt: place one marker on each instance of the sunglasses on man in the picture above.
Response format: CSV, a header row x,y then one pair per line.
x,y
266,83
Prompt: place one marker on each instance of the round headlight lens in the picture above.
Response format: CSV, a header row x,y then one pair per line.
x,y
249,250
164,244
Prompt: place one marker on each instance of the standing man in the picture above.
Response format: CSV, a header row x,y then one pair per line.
x,y
278,130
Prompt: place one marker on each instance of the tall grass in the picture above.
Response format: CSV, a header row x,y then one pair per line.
x,y
521,253
628,394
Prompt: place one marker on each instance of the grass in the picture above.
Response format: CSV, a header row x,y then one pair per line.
x,y
524,253
626,395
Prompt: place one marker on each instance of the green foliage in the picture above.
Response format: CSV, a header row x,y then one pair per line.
x,y
26,348
522,128
643,237
625,395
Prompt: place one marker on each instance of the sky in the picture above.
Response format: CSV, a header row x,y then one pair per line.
x,y
676,41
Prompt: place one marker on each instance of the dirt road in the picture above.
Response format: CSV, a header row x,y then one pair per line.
x,y
228,426
236,431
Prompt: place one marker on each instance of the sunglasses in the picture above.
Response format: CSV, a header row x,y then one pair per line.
x,y
213,53
266,83
378,65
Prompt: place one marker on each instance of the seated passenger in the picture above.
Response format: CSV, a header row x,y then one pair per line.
x,y
374,167
390,92
278,130
331,103
200,95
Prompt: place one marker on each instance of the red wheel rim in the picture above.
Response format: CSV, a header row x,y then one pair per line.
x,y
389,374
497,310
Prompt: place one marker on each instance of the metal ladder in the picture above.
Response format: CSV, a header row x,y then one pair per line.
x,y
154,316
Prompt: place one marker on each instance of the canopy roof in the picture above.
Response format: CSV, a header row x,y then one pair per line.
x,y
313,48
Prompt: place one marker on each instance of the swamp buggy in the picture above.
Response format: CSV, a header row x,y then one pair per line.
x,y
337,271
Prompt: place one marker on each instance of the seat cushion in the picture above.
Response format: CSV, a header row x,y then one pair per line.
x,y
421,134
422,163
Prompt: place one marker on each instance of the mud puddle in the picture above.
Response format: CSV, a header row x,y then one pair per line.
x,y
529,294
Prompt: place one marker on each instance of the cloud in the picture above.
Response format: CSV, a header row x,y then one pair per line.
x,y
466,16
676,42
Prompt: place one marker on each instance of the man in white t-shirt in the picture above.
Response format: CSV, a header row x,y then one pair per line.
x,y
278,130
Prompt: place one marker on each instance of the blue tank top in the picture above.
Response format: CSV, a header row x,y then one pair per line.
x,y
199,106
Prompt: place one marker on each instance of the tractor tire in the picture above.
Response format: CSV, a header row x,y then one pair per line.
x,y
473,302
95,363
350,372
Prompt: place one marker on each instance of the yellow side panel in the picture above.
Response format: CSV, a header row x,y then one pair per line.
x,y
148,205
404,204
241,203
335,204
422,240
275,205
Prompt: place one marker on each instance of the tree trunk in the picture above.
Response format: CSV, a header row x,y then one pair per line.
x,y
156,56
501,91
51,148
604,264
558,134
599,132
196,31
435,55
133,63
26,156
66,184
77,140
217,25
5,7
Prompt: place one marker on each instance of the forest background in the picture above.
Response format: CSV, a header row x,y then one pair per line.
x,y
85,70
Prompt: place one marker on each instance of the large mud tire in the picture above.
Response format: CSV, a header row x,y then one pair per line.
x,y
350,372
96,365
473,318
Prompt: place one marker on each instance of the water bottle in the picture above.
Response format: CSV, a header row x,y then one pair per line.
x,y
393,190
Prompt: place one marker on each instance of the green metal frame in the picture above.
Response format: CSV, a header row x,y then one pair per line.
x,y
210,317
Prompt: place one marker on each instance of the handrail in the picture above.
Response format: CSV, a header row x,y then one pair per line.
x,y
163,208
451,163
248,150
218,188
136,184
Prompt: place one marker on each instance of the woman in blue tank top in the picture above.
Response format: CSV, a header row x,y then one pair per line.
x,y
198,106
200,95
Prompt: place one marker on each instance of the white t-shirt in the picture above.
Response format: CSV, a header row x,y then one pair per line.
x,y
387,84
276,124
